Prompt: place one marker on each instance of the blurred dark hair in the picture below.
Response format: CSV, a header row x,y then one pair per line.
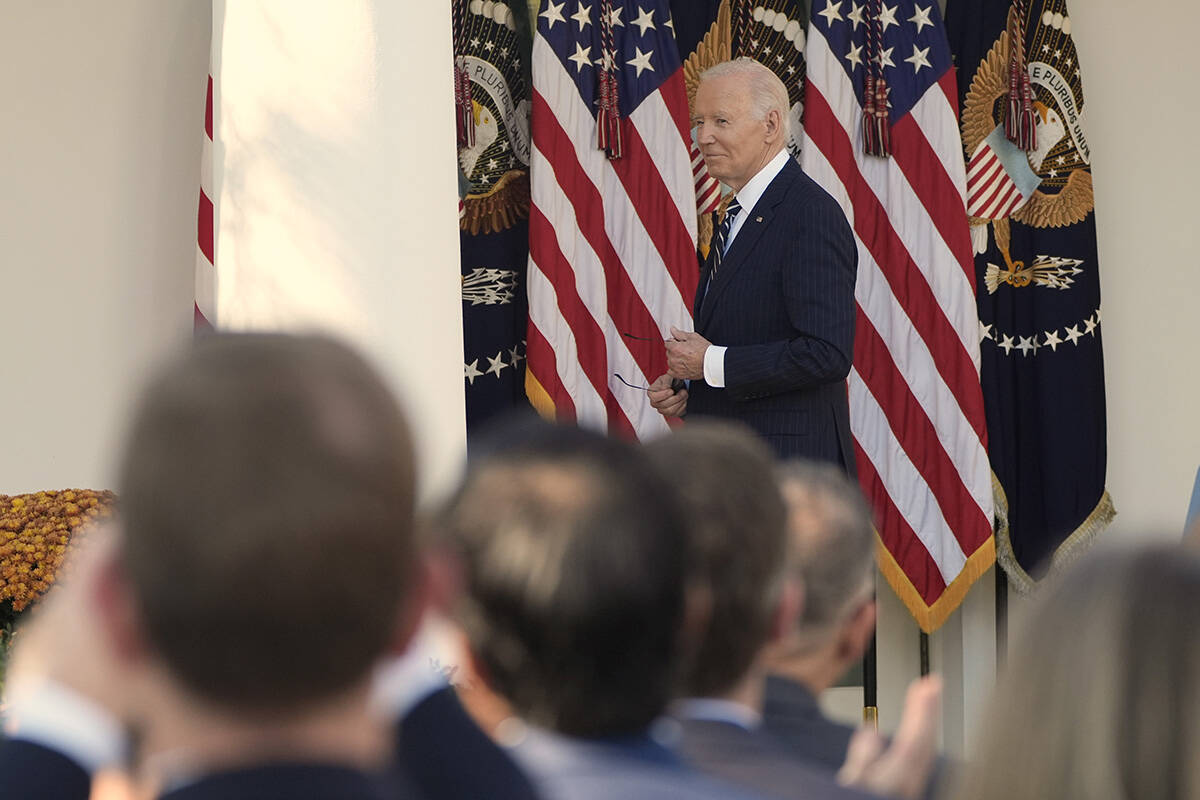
x,y
573,552
736,532
267,492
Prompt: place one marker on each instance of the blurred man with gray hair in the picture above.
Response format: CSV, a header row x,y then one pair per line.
x,y
832,544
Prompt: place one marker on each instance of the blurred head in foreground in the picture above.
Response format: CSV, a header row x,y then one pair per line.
x,y
1100,695
736,529
267,491
574,558
832,554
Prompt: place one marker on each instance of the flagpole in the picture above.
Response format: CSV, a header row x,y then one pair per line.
x,y
1001,615
871,684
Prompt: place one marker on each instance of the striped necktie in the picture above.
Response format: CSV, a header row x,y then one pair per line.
x,y
721,240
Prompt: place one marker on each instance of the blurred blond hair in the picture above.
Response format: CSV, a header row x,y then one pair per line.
x,y
1100,696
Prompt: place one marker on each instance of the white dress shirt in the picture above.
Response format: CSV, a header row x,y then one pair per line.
x,y
60,719
748,197
716,710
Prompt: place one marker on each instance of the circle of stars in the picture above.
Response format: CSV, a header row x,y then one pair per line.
x,y
1029,345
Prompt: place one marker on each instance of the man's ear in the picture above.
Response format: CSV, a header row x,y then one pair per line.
x,y
443,576
774,123
485,705
422,598
697,612
788,610
119,616
856,632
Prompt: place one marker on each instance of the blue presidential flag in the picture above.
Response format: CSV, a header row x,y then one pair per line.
x,y
1030,206
491,48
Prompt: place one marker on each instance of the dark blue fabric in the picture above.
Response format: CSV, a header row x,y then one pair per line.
x,y
1045,404
790,712
31,771
291,782
626,768
447,756
495,315
757,760
692,19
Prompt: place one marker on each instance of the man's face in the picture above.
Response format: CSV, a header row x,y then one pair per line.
x,y
734,142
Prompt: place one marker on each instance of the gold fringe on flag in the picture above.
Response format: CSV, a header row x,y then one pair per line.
x,y
1066,553
931,617
539,398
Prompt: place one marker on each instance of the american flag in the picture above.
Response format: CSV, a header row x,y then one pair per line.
x,y
999,178
916,409
612,242
206,279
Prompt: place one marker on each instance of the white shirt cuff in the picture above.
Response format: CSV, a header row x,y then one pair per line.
x,y
714,366
61,719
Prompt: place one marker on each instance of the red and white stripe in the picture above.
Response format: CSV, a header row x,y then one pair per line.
x,y
612,249
991,192
206,276
916,407
708,188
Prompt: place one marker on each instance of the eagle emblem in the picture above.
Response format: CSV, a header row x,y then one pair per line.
x,y
1051,185
494,163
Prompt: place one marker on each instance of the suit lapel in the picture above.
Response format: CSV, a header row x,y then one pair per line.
x,y
757,220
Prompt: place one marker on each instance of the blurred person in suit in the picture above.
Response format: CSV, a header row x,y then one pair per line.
x,y
774,312
441,743
576,608
264,564
1099,696
737,530
832,545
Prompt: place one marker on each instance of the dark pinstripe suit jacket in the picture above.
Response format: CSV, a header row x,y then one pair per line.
x,y
783,303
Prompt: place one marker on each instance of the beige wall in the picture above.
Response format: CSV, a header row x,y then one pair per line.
x,y
1143,119
99,146
338,199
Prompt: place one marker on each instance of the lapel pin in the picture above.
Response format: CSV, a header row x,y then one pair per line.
x,y
758,219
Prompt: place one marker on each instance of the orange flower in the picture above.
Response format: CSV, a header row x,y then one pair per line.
x,y
36,532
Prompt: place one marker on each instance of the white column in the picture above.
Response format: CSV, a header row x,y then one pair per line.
x,y
962,652
337,209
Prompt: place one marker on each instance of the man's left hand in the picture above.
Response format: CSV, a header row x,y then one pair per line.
x,y
685,355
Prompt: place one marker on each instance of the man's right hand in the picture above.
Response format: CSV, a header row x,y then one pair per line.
x,y
665,400
66,641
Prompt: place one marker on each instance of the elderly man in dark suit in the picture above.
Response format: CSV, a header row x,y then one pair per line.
x,y
774,312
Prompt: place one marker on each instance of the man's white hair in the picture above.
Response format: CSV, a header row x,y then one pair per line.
x,y
767,91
